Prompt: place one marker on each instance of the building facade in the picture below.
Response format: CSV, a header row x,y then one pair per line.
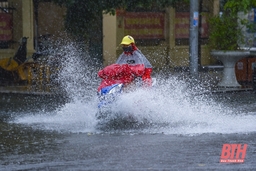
x,y
162,36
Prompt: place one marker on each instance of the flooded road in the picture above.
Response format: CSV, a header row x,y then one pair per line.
x,y
50,151
175,126
50,134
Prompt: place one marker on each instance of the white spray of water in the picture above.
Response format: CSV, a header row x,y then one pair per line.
x,y
78,80
173,109
170,107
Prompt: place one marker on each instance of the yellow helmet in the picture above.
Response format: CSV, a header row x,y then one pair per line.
x,y
127,40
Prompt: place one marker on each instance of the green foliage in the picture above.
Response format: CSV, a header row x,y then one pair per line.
x,y
226,30
235,6
223,33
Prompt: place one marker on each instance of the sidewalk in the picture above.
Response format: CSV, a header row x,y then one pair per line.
x,y
26,90
214,74
208,76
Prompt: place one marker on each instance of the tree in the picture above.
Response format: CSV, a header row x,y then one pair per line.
x,y
235,6
226,31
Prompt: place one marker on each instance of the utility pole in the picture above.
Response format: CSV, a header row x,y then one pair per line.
x,y
193,38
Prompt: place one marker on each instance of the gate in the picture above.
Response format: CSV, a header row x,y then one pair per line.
x,y
6,20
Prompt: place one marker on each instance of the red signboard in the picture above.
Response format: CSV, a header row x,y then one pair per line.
x,y
182,26
5,27
144,25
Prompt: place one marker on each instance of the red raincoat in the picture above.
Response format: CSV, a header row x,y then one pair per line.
x,y
129,65
120,73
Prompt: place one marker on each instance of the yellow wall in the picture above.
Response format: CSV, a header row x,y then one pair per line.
x,y
157,55
17,20
23,24
109,39
28,24
51,19
167,54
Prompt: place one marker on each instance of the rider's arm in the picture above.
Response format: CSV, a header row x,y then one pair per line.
x,y
146,77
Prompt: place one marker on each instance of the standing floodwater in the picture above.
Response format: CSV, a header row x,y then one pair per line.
x,y
175,127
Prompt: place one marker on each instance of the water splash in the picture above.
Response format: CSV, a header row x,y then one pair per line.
x,y
172,107
77,70
72,117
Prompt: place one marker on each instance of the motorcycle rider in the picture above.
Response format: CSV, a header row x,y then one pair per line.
x,y
130,65
133,57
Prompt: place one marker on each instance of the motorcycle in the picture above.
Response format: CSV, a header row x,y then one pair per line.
x,y
117,80
109,95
